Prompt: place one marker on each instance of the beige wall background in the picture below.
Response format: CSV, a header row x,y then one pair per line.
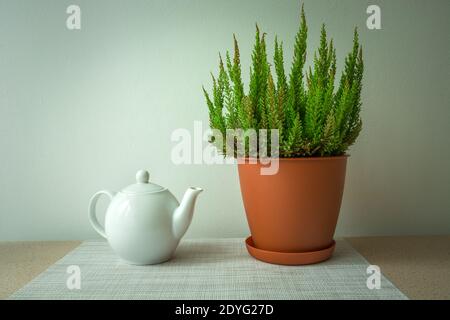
x,y
84,110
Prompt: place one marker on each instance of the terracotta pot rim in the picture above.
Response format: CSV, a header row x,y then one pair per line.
x,y
344,156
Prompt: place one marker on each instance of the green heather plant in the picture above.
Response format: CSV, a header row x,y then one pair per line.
x,y
312,117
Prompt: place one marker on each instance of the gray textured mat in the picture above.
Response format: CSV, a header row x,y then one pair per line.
x,y
206,269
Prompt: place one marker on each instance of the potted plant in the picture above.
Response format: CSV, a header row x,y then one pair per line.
x,y
292,214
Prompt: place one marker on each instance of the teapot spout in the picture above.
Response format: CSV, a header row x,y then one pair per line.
x,y
182,216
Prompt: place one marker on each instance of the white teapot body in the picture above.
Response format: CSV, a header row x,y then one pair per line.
x,y
144,224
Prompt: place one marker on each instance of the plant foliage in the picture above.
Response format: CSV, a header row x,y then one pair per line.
x,y
314,118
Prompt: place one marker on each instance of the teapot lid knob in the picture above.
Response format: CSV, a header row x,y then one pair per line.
x,y
142,176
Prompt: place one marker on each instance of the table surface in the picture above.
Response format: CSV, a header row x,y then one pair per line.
x,y
418,265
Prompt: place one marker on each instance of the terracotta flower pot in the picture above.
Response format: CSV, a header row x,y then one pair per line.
x,y
292,215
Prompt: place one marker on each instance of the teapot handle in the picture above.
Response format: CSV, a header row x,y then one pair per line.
x,y
92,213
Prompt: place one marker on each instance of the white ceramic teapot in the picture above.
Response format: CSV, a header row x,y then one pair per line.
x,y
144,222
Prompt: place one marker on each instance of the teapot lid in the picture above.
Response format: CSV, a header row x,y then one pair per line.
x,y
142,185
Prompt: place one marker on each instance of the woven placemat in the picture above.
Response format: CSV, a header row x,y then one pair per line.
x,y
206,269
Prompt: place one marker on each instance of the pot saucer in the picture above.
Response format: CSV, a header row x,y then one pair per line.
x,y
289,258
